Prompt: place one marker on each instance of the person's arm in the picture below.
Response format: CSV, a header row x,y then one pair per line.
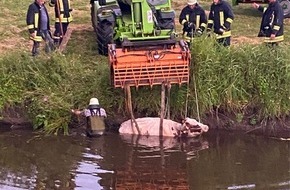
x,y
103,112
203,21
182,18
210,20
277,21
230,17
77,112
259,7
30,20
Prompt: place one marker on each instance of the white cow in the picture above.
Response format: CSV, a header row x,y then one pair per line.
x,y
150,126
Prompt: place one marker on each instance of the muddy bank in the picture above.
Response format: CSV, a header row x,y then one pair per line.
x,y
13,118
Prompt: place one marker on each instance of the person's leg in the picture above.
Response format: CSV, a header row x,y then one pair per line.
x,y
49,43
57,33
225,41
35,48
272,44
64,29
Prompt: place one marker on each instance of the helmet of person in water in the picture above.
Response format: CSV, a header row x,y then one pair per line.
x,y
94,102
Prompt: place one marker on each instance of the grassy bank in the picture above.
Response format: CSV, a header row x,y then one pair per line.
x,y
247,78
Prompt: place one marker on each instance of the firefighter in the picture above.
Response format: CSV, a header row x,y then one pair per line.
x,y
37,20
272,22
95,118
193,19
220,19
63,17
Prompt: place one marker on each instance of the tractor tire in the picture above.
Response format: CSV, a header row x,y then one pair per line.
x,y
105,34
285,4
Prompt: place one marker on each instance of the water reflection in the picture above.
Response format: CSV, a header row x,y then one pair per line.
x,y
216,161
154,163
190,146
88,170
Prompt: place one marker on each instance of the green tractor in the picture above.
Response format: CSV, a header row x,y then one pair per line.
x,y
140,40
132,24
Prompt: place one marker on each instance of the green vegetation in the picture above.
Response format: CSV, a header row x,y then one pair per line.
x,y
243,77
248,77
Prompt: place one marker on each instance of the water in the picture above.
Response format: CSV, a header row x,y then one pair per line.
x,y
216,161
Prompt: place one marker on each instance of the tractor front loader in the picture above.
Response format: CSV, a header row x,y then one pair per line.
x,y
140,40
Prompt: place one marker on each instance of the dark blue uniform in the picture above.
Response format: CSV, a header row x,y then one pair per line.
x,y
220,19
193,20
272,23
63,17
39,25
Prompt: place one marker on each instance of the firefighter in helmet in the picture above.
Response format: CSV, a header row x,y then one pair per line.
x,y
272,22
193,19
219,21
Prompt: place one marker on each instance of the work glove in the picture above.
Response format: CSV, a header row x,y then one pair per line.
x,y
220,31
188,25
226,26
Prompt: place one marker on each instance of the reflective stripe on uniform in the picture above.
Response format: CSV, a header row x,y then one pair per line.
x,y
36,38
36,20
30,26
276,27
183,21
224,35
197,21
222,18
276,39
64,20
229,20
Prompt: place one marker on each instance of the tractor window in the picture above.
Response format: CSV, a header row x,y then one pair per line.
x,y
157,2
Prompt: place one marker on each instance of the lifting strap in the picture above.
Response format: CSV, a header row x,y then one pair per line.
x,y
196,99
129,107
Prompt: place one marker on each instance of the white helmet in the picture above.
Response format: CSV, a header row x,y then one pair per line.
x,y
191,2
94,101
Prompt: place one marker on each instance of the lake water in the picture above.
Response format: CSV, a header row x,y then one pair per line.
x,y
218,160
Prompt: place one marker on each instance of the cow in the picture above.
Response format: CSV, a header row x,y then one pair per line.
x,y
150,126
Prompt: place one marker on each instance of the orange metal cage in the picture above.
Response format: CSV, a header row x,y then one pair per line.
x,y
149,67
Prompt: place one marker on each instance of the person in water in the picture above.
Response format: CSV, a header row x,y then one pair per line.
x,y
95,115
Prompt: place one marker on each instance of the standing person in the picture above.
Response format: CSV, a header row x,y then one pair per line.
x,y
95,118
193,19
272,22
37,20
63,17
220,19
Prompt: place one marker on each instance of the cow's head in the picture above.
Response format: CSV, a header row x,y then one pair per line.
x,y
192,128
